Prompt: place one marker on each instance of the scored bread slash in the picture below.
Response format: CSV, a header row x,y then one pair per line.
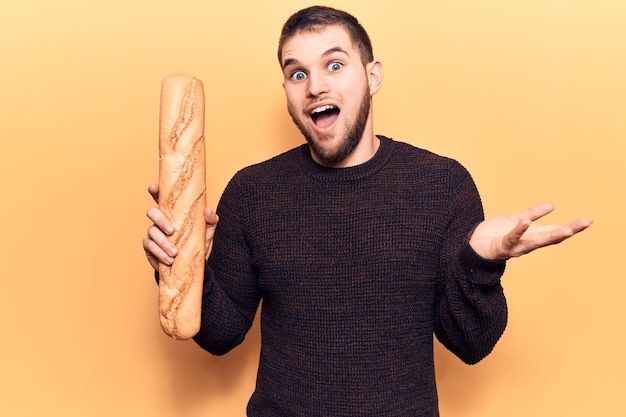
x,y
182,198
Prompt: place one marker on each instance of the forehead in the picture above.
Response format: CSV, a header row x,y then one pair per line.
x,y
311,44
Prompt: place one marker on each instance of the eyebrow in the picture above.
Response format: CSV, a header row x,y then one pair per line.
x,y
336,49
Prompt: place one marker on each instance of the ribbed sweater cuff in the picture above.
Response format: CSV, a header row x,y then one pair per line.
x,y
479,270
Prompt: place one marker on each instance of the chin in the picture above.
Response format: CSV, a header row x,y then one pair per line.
x,y
333,152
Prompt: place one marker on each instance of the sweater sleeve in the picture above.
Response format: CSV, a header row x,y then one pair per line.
x,y
471,312
230,297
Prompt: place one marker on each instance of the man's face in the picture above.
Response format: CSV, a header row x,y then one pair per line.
x,y
328,93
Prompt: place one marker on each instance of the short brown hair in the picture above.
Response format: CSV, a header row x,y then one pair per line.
x,y
317,18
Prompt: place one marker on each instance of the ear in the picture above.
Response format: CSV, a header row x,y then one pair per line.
x,y
375,76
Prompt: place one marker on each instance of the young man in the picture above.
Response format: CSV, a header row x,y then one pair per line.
x,y
360,247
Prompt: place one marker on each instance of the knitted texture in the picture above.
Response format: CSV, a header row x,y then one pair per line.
x,y
356,269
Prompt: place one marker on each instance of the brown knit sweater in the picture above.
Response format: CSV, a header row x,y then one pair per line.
x,y
356,269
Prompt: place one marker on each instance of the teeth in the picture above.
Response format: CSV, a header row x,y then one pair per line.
x,y
322,109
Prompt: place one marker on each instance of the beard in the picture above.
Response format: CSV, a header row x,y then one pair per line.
x,y
347,144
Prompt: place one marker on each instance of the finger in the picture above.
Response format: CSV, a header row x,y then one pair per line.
x,y
160,220
210,217
153,189
514,237
558,233
154,262
537,211
157,244
162,241
581,224
552,235
155,254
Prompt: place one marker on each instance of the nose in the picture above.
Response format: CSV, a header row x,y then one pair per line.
x,y
316,85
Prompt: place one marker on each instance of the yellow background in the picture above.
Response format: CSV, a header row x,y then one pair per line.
x,y
529,95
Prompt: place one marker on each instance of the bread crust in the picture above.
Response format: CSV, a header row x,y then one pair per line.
x,y
182,198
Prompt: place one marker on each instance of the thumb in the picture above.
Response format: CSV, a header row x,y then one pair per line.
x,y
211,219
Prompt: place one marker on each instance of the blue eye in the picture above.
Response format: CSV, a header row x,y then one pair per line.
x,y
335,66
298,75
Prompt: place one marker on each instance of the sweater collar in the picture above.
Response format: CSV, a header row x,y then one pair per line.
x,y
366,169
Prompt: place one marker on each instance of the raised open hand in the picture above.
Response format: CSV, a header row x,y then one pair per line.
x,y
513,235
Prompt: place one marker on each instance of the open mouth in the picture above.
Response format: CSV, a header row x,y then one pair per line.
x,y
324,116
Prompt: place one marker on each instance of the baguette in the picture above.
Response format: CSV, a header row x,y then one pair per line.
x,y
182,198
